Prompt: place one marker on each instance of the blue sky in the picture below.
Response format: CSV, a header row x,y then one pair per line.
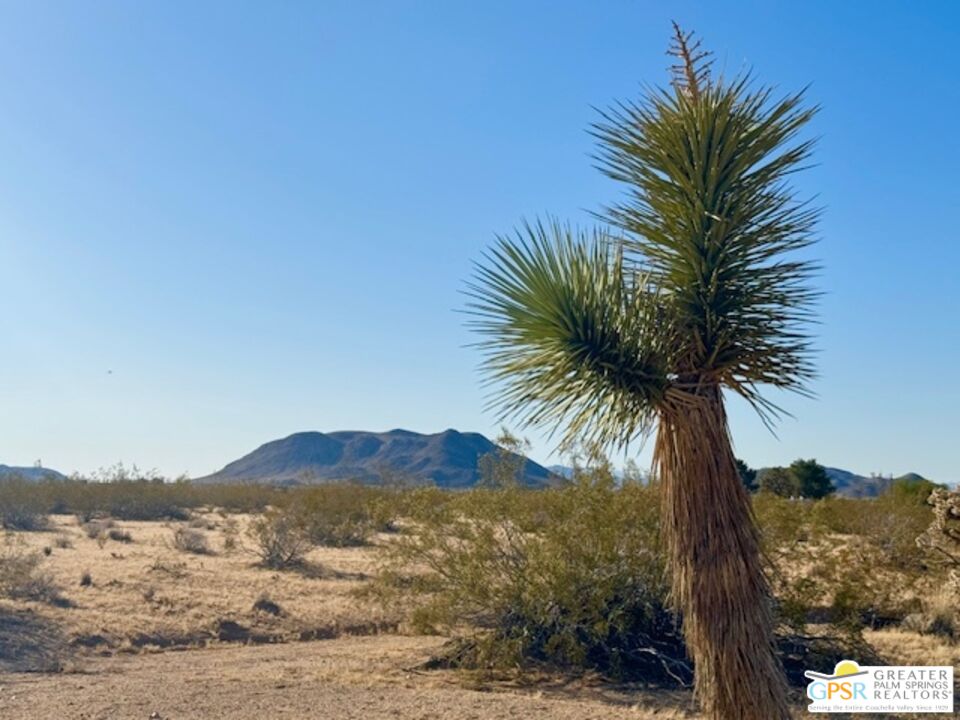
x,y
260,216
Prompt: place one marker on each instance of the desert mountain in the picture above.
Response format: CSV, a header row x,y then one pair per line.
x,y
30,473
448,459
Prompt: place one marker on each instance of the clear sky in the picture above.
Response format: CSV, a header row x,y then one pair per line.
x,y
224,222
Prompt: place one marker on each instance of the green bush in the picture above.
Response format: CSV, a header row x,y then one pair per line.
x,y
21,506
778,481
852,563
342,515
570,577
128,495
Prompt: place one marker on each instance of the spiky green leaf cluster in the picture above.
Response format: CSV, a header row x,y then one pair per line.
x,y
709,214
703,286
567,330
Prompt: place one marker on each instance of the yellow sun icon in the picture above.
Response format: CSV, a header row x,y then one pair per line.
x,y
846,667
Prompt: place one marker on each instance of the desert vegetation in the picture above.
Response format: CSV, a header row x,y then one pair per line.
x,y
511,583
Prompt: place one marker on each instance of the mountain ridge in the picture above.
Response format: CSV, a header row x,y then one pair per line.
x,y
448,459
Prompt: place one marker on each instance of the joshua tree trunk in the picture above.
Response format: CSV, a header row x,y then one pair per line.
x,y
718,583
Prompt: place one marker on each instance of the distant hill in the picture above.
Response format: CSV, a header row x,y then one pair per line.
x,y
30,473
447,459
849,484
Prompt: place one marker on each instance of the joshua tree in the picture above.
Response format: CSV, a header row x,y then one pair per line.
x,y
610,335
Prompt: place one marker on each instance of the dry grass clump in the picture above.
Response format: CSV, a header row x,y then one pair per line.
x,y
94,529
192,541
21,577
939,616
177,571
231,532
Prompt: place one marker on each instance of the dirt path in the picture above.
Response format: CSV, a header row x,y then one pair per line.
x,y
345,678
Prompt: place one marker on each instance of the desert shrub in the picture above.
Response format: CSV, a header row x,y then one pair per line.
x,y
201,523
778,481
22,507
570,577
189,540
846,562
503,467
63,542
280,538
118,535
239,497
886,524
86,579
94,529
21,577
342,515
916,490
939,615
121,492
177,570
143,500
131,494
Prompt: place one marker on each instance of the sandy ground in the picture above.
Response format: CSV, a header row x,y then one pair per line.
x,y
344,678
146,593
